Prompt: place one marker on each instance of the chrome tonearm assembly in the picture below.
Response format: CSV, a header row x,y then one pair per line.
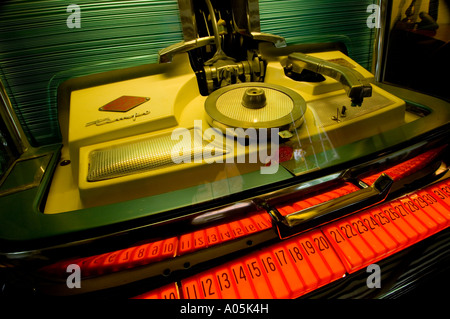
x,y
355,84
222,40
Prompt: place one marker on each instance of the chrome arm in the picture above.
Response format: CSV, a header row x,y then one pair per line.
x,y
333,209
356,86
166,55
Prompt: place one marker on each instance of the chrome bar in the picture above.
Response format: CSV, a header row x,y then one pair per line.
x,y
355,84
330,210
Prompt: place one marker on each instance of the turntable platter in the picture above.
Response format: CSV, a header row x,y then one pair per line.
x,y
255,105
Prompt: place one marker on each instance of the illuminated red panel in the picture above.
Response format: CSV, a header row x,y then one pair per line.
x,y
199,239
406,168
191,288
300,205
139,255
378,231
434,202
155,251
255,273
226,284
82,262
266,217
343,190
335,194
262,221
186,244
368,236
237,229
212,236
94,266
208,286
110,261
428,222
286,265
294,207
442,192
274,275
401,170
169,248
316,199
389,227
286,210
170,292
312,201
59,269
429,210
163,249
324,248
286,270
251,227
321,269
124,258
358,243
402,223
241,280
304,268
351,257
325,197
306,262
225,233
419,228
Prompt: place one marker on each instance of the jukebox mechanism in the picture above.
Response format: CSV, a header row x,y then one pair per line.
x,y
237,167
234,94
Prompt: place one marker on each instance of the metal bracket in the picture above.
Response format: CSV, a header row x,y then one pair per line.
x,y
299,221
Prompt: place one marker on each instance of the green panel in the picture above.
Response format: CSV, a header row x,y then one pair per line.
x,y
24,222
38,50
318,21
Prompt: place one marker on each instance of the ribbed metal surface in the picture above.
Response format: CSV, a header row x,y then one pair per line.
x,y
278,105
145,155
318,21
38,51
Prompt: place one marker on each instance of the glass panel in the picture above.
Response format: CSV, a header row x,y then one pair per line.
x,y
8,151
25,174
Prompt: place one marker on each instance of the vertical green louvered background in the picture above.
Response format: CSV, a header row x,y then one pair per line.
x,y
38,51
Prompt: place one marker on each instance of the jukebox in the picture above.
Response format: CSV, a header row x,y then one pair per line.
x,y
245,162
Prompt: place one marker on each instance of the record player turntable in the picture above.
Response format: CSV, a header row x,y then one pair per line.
x,y
231,81
232,143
